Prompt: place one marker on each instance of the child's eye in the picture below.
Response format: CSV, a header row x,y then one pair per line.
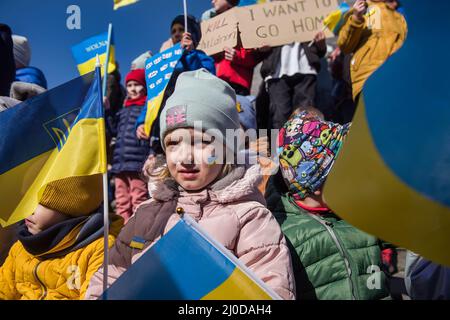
x,y
172,143
206,141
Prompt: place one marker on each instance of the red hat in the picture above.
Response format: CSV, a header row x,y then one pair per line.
x,y
137,75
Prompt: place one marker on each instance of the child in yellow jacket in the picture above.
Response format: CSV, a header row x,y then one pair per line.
x,y
372,33
60,245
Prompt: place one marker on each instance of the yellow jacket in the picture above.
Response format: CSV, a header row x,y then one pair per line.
x,y
373,41
24,276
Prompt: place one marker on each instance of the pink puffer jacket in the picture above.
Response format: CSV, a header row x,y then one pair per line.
x,y
233,212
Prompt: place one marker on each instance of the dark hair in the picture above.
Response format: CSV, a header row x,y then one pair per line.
x,y
233,2
193,27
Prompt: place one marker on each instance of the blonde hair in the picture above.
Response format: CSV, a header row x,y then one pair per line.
x,y
310,110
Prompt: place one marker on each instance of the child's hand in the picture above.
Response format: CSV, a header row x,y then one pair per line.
x,y
186,42
320,39
334,55
360,8
230,53
140,133
106,103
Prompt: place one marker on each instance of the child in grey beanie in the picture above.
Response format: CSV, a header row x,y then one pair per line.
x,y
204,99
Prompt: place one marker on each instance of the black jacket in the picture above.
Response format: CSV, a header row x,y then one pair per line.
x,y
130,153
7,64
313,54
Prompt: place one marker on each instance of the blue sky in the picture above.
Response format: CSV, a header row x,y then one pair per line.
x,y
137,28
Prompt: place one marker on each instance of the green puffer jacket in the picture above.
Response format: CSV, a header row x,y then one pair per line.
x,y
332,260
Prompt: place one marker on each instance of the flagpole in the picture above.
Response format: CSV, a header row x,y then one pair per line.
x,y
185,16
105,75
105,203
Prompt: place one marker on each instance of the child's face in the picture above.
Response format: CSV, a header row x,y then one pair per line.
x,y
177,32
43,218
135,89
220,5
190,158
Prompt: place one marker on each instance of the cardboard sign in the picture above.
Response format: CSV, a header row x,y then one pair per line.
x,y
282,22
219,32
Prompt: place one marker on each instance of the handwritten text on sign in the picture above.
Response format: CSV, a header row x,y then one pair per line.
x,y
281,22
219,32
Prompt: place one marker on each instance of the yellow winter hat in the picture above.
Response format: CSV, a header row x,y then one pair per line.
x,y
74,196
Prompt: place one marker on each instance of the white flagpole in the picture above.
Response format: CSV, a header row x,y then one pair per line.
x,y
105,232
105,210
185,16
105,181
105,74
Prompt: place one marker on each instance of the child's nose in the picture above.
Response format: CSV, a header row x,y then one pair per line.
x,y
186,155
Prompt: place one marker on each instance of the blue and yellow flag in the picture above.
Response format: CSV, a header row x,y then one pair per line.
x,y
56,135
393,175
186,264
158,71
85,53
335,20
244,3
122,3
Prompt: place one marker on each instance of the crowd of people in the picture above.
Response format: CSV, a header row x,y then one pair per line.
x,y
271,214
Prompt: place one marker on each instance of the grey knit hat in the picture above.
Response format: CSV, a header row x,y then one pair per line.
x,y
201,96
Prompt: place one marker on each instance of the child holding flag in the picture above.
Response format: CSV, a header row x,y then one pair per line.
x,y
130,153
331,258
222,198
60,245
373,32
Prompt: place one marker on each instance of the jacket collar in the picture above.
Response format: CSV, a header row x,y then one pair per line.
x,y
240,184
67,236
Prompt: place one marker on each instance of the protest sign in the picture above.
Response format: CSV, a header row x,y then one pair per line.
x,y
219,32
282,22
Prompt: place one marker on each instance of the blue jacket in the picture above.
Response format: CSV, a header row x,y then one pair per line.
x,y
194,60
130,153
190,61
31,75
425,280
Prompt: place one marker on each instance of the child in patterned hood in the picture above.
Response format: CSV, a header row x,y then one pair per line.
x,y
331,259
308,147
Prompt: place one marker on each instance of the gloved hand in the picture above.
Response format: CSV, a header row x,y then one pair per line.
x,y
7,102
23,90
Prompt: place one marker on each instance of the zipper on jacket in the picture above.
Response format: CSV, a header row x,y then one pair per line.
x,y
44,289
333,235
341,250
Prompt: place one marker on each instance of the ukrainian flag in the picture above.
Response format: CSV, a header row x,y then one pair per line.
x,y
85,53
393,175
122,3
335,20
56,135
158,71
244,3
186,264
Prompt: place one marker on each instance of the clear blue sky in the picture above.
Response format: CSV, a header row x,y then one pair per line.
x,y
137,28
